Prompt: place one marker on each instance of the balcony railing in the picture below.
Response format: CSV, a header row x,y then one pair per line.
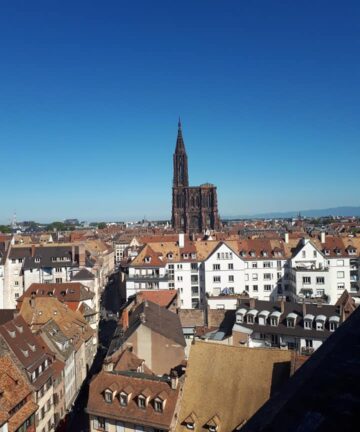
x,y
307,350
148,277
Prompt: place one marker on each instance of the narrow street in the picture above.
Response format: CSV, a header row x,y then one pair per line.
x,y
78,419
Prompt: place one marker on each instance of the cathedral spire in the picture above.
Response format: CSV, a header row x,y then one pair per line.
x,y
180,146
181,177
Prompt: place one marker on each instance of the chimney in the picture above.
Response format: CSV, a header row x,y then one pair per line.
x,y
322,237
181,240
282,306
286,239
174,379
32,250
125,319
81,255
252,303
304,308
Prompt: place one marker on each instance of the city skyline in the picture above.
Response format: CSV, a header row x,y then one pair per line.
x,y
268,97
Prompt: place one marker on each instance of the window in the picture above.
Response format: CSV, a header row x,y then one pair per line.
x,y
303,254
340,275
230,266
16,283
194,278
246,287
216,266
141,402
180,278
320,280
194,266
319,325
255,288
194,290
13,261
100,423
290,322
273,321
123,399
250,319
255,276
267,287
308,324
58,270
179,266
108,396
341,286
158,405
267,276
58,280
306,280
231,278
216,279
37,260
254,265
278,264
308,343
190,426
332,326
267,264
314,254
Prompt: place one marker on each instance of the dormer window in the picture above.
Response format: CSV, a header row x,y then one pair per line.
x,y
108,396
351,251
185,256
291,320
338,251
193,256
170,256
264,253
252,253
274,318
141,402
123,399
308,321
240,315
320,322
213,428
334,323
147,259
190,426
158,405
326,251
243,253
37,260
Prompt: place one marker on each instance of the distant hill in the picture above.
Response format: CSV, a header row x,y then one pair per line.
x,y
335,211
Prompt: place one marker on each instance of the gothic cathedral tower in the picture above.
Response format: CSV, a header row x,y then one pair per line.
x,y
194,209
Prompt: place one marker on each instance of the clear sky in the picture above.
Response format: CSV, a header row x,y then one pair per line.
x,y
90,93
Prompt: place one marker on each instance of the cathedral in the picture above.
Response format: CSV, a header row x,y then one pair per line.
x,y
194,208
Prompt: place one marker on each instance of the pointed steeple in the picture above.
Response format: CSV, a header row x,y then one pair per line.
x,y
180,146
181,177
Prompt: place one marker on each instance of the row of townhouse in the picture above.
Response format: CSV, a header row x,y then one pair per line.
x,y
53,347
22,265
292,268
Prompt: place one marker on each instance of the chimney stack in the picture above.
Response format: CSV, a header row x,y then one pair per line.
x,y
81,255
282,306
304,308
286,238
32,250
181,240
174,379
322,237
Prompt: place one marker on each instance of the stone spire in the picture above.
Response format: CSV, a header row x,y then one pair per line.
x,y
181,176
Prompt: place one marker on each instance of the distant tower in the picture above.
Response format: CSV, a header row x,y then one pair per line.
x,y
194,208
181,175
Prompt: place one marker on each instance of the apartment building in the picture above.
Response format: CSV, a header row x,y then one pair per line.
x,y
18,341
266,269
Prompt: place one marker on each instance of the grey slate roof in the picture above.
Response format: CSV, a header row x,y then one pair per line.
x,y
324,394
83,274
160,320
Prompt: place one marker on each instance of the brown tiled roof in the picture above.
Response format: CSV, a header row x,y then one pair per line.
x,y
23,343
229,383
139,383
22,414
128,361
163,298
147,258
65,292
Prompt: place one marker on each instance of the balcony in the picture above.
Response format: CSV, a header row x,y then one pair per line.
x,y
310,269
149,278
307,351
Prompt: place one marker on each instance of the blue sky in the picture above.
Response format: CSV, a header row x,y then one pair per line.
x,y
90,93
